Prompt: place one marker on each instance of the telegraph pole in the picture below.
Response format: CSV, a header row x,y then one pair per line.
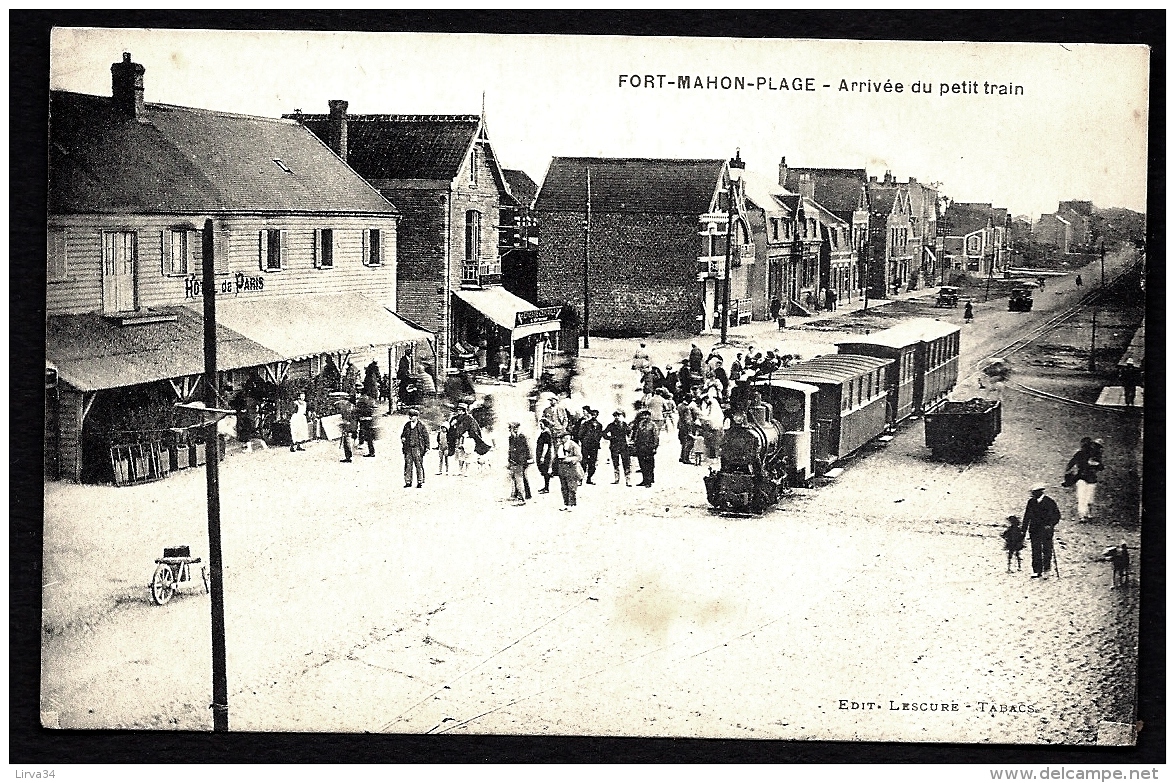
x,y
587,239
212,466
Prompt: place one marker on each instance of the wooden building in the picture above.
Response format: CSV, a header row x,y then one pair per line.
x,y
296,233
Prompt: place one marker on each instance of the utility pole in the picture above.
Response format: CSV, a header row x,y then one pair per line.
x,y
735,169
587,240
726,269
212,466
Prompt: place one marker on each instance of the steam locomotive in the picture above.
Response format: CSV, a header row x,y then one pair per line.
x,y
796,423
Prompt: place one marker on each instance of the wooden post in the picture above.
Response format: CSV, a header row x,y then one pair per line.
x,y
212,467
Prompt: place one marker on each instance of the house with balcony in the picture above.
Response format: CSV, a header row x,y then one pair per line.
x,y
843,194
646,239
141,196
444,172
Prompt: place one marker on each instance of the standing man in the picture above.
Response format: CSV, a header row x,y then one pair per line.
x,y
645,441
544,455
365,413
414,442
736,368
517,458
570,468
1084,466
654,403
695,359
590,433
640,360
346,410
555,415
686,429
616,434
1130,378
1041,517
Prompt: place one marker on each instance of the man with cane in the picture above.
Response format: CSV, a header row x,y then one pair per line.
x,y
1041,517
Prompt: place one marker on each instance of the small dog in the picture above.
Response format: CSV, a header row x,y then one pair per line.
x,y
1119,556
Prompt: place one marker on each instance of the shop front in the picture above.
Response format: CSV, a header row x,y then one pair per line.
x,y
116,382
502,335
111,405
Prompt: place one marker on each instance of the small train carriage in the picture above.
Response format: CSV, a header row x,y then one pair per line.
x,y
849,409
926,362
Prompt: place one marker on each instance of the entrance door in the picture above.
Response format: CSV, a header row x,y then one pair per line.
x,y
118,271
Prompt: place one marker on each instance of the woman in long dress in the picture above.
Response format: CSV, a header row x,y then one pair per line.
x,y
299,427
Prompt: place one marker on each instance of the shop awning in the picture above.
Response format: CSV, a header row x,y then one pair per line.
x,y
92,352
511,312
299,326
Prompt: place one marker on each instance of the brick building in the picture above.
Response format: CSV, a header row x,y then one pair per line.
x,y
304,254
444,176
656,247
891,246
843,193
977,237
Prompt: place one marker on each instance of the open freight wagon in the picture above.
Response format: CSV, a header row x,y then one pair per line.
x,y
960,431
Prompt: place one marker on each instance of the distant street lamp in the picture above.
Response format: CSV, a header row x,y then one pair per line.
x,y
737,166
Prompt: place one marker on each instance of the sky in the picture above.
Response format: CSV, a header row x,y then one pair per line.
x,y
1077,130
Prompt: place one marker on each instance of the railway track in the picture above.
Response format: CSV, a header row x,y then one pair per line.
x,y
1094,297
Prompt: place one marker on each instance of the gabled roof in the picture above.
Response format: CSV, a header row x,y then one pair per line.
x,y
176,159
633,185
765,194
838,190
960,219
825,216
402,146
521,186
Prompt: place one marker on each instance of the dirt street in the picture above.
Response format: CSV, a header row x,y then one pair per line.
x,y
354,604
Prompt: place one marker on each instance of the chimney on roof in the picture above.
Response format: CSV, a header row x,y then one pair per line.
x,y
873,180
913,181
807,186
126,80
888,177
783,172
338,128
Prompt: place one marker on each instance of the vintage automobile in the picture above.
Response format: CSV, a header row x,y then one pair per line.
x,y
1020,299
948,296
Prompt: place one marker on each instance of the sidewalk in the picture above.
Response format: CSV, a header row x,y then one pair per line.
x,y
762,329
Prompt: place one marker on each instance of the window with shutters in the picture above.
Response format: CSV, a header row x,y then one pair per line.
x,y
57,264
272,243
324,248
373,247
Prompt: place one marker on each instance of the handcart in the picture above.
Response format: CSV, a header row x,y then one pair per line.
x,y
173,570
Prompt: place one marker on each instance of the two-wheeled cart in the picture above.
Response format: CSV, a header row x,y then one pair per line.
x,y
172,571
